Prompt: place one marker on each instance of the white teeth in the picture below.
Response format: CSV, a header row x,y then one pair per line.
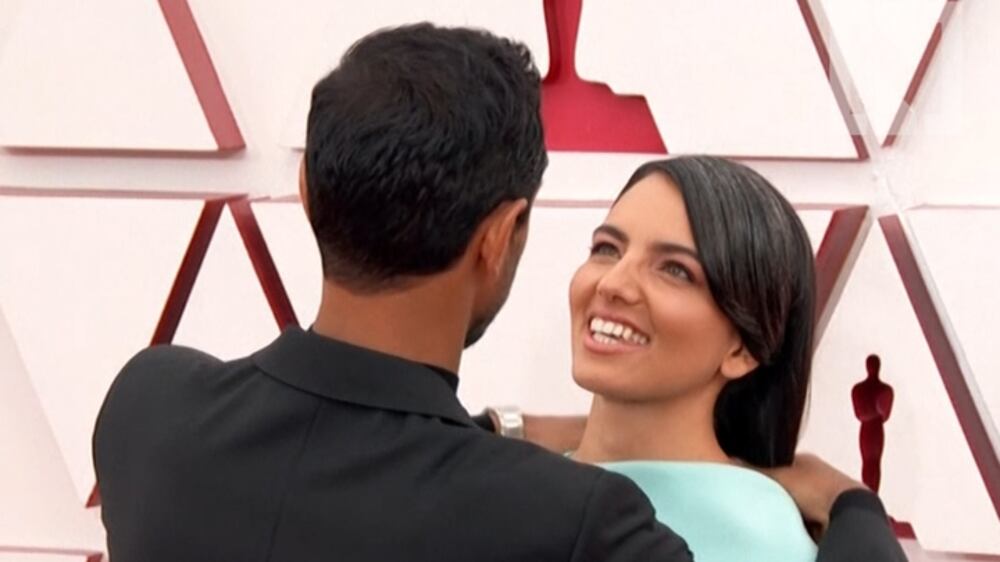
x,y
601,338
608,332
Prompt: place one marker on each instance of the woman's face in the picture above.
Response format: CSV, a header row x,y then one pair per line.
x,y
645,325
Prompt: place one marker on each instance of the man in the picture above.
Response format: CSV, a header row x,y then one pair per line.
x,y
347,442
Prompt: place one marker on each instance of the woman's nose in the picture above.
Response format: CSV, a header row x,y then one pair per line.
x,y
619,283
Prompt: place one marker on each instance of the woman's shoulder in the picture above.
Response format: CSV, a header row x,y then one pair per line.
x,y
717,479
723,510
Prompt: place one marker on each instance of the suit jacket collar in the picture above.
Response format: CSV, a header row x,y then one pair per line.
x,y
347,373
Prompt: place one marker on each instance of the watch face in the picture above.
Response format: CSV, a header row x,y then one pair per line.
x,y
510,420
512,426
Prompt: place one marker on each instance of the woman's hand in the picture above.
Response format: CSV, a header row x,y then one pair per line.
x,y
814,485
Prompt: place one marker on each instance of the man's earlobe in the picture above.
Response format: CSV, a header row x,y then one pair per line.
x,y
303,186
498,238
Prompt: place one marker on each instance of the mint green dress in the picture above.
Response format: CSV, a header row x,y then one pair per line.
x,y
725,513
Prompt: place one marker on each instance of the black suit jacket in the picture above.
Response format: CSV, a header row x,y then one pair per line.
x,y
313,449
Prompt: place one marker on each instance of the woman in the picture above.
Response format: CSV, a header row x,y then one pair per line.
x,y
692,325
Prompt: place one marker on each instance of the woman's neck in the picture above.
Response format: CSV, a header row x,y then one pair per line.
x,y
679,429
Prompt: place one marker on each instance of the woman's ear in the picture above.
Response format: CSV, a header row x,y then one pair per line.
x,y
738,362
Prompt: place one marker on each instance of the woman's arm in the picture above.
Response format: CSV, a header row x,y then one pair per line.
x,y
853,519
555,433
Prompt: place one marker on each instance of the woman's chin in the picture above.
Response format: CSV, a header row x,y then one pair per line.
x,y
597,380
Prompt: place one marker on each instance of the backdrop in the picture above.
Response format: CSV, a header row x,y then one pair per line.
x,y
148,194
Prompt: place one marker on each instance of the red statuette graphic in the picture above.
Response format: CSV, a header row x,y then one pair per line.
x,y
872,401
588,116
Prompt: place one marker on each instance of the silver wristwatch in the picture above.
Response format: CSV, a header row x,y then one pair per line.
x,y
509,420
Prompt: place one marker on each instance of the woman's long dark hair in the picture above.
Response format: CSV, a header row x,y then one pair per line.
x,y
759,265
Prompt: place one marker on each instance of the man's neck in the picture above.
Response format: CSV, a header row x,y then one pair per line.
x,y
425,322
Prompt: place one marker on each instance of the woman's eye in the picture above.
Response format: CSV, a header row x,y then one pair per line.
x,y
603,249
677,270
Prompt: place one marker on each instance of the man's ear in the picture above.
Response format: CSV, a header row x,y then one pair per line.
x,y
303,186
497,234
738,362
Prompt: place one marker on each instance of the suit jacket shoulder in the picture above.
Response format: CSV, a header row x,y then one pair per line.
x,y
312,449
586,512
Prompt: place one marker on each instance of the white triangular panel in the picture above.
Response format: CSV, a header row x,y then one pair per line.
x,y
8,13
21,556
524,358
97,75
959,249
40,507
929,477
523,20
227,314
816,222
882,43
915,553
293,248
946,150
83,282
734,78
590,176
